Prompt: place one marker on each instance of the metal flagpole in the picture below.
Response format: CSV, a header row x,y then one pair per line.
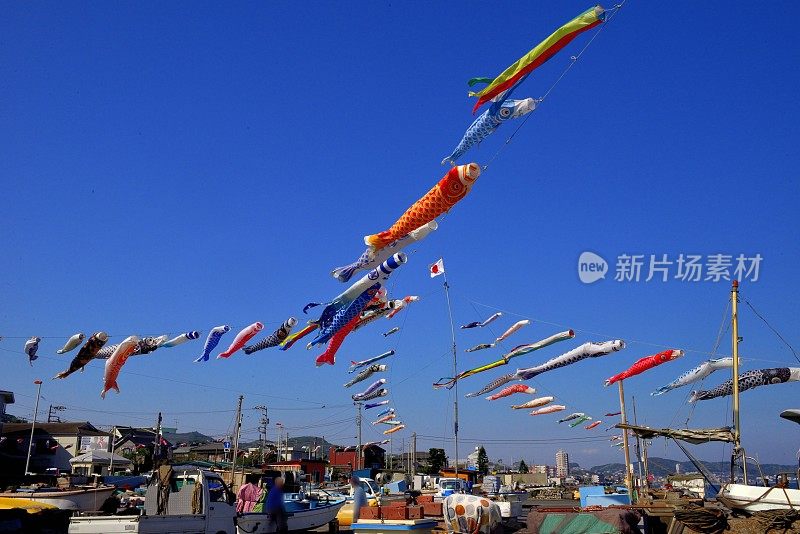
x,y
455,369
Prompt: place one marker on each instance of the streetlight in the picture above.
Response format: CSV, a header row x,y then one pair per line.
x,y
33,425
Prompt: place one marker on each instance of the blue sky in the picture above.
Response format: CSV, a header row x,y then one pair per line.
x,y
176,167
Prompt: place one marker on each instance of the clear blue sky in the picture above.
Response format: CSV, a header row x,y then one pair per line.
x,y
177,167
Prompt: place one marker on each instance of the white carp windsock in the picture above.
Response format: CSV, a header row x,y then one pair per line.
x,y
510,390
750,380
513,328
369,361
31,346
372,388
549,409
587,350
392,423
374,395
696,374
366,373
71,343
399,305
245,334
398,428
535,403
275,338
481,324
115,362
571,416
371,259
181,339
214,335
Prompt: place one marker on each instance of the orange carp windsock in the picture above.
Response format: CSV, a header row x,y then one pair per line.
x,y
444,195
643,364
115,362
392,430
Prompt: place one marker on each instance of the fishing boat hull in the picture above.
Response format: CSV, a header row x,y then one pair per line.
x,y
309,518
758,498
80,500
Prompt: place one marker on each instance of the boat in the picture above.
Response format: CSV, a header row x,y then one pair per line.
x,y
758,498
303,514
80,499
32,507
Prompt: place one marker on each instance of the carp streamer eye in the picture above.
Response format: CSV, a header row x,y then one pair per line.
x,y
505,113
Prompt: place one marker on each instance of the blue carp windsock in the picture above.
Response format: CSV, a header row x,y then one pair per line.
x,y
371,259
384,412
274,339
344,316
489,121
71,343
31,346
376,404
377,275
696,374
369,396
750,380
212,341
587,350
372,387
86,354
246,334
181,339
391,331
366,373
369,361
481,324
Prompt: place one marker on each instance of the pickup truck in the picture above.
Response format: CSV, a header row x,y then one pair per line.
x,y
197,502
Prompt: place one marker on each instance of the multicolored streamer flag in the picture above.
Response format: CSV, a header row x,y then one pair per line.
x,y
538,56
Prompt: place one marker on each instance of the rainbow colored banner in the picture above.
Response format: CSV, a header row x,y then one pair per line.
x,y
541,53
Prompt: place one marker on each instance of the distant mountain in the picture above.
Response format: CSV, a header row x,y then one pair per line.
x,y
662,467
192,438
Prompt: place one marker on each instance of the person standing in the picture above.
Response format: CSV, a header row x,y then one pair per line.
x,y
359,497
275,506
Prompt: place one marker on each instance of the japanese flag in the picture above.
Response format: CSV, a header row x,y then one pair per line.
x,y
437,268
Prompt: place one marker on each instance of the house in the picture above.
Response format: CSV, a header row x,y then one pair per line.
x,y
99,462
128,439
54,444
6,397
213,452
346,457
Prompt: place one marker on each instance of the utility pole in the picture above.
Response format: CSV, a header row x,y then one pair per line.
x,y
360,459
625,446
237,428
33,425
157,442
413,455
455,370
262,429
51,416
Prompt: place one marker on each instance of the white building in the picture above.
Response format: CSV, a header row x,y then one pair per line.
x,y
472,458
562,463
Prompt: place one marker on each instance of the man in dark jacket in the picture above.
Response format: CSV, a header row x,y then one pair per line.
x,y
275,506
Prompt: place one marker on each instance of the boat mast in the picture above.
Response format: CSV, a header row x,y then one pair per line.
x,y
625,446
455,370
738,452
